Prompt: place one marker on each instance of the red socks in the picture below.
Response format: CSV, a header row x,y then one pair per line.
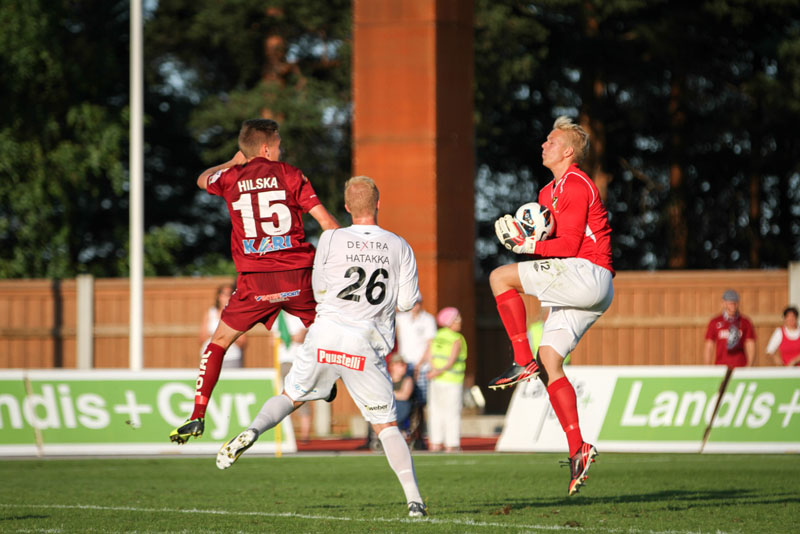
x,y
511,308
210,364
565,404
512,312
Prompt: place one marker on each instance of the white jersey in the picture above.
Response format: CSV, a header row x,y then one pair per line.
x,y
361,274
414,334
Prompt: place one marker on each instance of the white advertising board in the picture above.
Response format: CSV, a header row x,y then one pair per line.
x,y
663,409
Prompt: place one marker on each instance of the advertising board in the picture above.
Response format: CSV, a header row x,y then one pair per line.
x,y
663,409
66,412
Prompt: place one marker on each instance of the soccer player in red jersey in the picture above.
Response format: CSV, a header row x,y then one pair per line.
x,y
266,199
570,273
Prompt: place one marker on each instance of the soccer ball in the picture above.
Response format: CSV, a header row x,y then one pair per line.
x,y
535,220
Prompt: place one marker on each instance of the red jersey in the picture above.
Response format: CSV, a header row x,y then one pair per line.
x,y
581,220
266,200
789,348
729,335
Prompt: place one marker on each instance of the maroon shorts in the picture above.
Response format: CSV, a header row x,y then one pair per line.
x,y
259,297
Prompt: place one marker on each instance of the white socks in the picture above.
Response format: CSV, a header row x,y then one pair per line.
x,y
272,413
400,461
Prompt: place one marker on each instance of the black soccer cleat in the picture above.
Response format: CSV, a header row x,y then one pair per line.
x,y
332,394
417,509
579,464
192,427
515,373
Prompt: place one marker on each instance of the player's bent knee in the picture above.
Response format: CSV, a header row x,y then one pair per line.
x,y
494,278
378,427
504,278
551,362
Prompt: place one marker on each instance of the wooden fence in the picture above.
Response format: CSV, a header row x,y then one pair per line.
x,y
657,318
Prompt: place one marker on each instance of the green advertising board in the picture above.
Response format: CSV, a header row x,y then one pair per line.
x,y
98,412
680,408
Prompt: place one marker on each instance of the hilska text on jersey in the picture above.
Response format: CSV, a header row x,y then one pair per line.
x,y
361,252
269,182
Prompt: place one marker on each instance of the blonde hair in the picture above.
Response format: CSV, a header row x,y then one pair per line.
x,y
577,135
361,196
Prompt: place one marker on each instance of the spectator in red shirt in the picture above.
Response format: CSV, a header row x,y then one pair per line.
x,y
730,336
784,345
266,200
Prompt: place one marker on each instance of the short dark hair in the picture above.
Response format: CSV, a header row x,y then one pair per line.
x,y
791,309
254,133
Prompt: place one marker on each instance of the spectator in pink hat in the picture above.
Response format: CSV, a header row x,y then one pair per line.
x,y
447,355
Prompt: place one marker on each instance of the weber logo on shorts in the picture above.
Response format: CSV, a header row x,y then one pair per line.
x,y
341,358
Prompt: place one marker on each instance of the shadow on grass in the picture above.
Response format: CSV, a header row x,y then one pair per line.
x,y
23,517
673,499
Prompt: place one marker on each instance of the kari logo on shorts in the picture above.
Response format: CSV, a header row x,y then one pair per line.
x,y
341,358
268,244
278,297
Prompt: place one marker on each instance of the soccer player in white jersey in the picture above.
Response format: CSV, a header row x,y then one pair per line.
x,y
361,274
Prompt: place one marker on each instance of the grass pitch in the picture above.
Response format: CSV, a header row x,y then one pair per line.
x,y
474,493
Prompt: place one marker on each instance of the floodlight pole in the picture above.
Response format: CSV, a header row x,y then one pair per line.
x,y
136,194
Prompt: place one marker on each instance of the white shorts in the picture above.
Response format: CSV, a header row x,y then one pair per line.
x,y
577,292
334,350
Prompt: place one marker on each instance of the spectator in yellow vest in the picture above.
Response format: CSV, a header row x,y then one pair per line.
x,y
447,355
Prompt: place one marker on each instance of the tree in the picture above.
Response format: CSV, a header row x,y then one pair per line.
x,y
690,107
213,64
209,65
62,133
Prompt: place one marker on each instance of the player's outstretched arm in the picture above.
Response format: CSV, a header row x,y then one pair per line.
x,y
324,218
202,180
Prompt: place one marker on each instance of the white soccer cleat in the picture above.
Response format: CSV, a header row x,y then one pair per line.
x,y
234,448
417,509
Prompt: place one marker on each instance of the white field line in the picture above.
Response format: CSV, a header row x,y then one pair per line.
x,y
464,522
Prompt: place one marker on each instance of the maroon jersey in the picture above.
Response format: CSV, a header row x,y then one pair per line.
x,y
729,335
582,229
266,200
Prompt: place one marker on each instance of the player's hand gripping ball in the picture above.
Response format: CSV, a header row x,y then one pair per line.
x,y
512,236
535,220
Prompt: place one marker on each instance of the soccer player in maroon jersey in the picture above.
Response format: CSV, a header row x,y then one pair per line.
x,y
730,336
570,273
266,199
